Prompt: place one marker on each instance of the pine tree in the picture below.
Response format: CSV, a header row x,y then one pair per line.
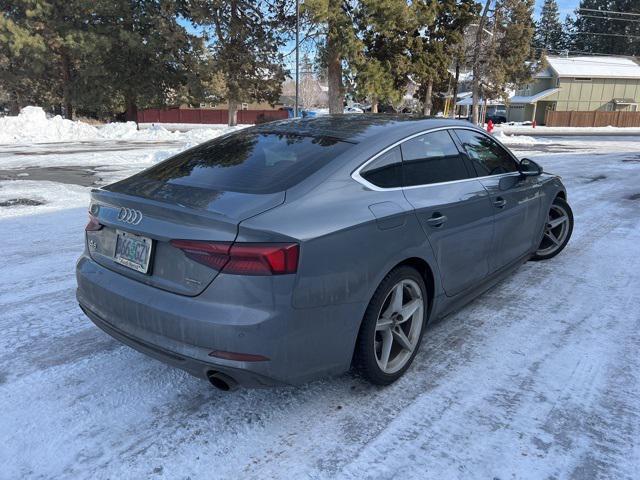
x,y
341,45
568,37
514,34
152,56
605,32
96,56
510,59
549,34
23,59
381,68
479,59
46,46
436,41
246,37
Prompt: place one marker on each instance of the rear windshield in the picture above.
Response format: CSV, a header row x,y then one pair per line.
x,y
249,162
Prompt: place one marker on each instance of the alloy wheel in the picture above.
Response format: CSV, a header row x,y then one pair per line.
x,y
399,326
555,230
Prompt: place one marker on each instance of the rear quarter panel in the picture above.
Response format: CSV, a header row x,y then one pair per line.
x,y
346,250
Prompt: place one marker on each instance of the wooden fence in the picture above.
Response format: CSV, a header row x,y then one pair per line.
x,y
202,115
592,119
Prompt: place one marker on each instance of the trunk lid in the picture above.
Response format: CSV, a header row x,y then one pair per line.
x,y
164,212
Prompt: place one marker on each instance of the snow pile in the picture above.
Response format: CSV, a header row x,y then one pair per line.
x,y
519,139
158,132
118,131
32,125
199,135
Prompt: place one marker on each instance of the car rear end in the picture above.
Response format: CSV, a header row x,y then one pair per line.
x,y
163,272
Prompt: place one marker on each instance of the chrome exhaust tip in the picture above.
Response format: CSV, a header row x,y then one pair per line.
x,y
221,381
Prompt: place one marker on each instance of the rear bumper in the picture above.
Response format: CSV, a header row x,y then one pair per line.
x,y
193,366
234,314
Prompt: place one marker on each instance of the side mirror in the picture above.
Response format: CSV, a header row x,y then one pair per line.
x,y
529,168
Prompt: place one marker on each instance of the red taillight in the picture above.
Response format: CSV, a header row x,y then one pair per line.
x,y
262,259
93,225
243,258
211,254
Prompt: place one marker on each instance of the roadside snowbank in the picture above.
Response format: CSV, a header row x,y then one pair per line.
x,y
33,126
522,129
519,139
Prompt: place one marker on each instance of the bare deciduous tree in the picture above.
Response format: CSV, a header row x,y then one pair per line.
x,y
309,91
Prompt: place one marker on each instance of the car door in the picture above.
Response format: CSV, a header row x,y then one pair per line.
x,y
515,199
452,206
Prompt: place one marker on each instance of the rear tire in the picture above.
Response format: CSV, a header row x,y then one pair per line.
x,y
392,327
557,230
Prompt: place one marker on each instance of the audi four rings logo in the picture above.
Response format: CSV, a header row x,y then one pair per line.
x,y
129,215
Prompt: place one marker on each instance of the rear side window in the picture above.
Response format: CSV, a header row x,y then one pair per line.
x,y
432,158
487,156
248,162
386,170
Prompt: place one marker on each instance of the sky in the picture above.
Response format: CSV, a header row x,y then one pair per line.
x,y
566,6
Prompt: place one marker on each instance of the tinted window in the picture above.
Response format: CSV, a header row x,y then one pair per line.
x,y
432,158
488,157
386,170
248,162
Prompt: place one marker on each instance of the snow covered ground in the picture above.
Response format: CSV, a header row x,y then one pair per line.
x,y
520,129
538,378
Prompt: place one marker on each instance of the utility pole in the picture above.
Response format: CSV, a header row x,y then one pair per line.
x,y
455,89
295,110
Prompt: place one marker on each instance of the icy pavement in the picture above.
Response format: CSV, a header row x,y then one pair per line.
x,y
539,378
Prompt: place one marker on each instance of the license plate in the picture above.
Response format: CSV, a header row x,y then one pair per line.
x,y
133,251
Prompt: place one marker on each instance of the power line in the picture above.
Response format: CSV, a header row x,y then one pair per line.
x,y
604,34
608,11
610,18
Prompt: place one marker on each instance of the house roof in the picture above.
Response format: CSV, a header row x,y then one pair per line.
x,y
624,101
599,67
469,101
533,98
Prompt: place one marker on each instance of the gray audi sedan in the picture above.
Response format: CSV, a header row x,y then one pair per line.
x,y
298,249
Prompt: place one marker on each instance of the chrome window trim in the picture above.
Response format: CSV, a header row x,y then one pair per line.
x,y
361,180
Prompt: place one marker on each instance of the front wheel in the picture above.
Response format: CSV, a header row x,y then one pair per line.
x,y
392,327
557,230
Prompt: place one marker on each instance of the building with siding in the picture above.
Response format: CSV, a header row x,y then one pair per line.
x,y
603,83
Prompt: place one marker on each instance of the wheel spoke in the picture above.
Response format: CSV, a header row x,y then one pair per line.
x,y
387,341
401,338
549,234
409,309
395,305
557,221
383,324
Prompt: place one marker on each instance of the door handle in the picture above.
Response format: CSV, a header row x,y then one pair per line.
x,y
499,202
436,220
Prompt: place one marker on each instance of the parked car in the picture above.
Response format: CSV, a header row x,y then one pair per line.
x,y
295,249
352,109
496,115
365,107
